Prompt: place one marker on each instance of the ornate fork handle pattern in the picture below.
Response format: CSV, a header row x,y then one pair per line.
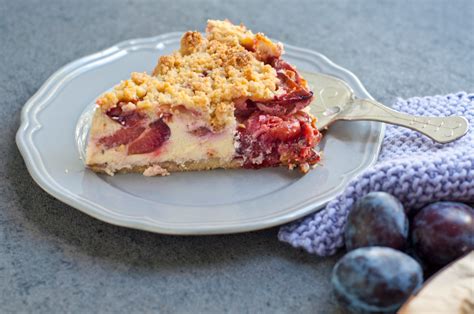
x,y
440,129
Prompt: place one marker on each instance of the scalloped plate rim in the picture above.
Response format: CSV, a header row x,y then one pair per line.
x,y
29,125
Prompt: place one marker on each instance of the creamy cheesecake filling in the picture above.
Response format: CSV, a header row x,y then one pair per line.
x,y
190,140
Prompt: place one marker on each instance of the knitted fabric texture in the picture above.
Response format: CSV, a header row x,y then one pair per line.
x,y
411,167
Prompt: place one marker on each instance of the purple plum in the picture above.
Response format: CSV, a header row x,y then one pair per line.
x,y
377,219
442,232
375,279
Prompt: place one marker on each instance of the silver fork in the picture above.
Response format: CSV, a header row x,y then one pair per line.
x,y
335,101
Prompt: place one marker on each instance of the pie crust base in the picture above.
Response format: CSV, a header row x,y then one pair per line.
x,y
170,166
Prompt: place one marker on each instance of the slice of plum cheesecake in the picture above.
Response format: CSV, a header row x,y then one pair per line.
x,y
226,100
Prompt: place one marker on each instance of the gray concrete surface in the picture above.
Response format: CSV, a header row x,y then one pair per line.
x,y
54,259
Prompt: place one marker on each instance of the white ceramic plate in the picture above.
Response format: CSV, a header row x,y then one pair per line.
x,y
54,122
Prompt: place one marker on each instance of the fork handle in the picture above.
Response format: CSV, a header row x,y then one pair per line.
x,y
439,129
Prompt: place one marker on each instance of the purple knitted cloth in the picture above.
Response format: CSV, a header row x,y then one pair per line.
x,y
411,167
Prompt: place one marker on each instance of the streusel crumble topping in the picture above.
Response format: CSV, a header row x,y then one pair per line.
x,y
206,75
